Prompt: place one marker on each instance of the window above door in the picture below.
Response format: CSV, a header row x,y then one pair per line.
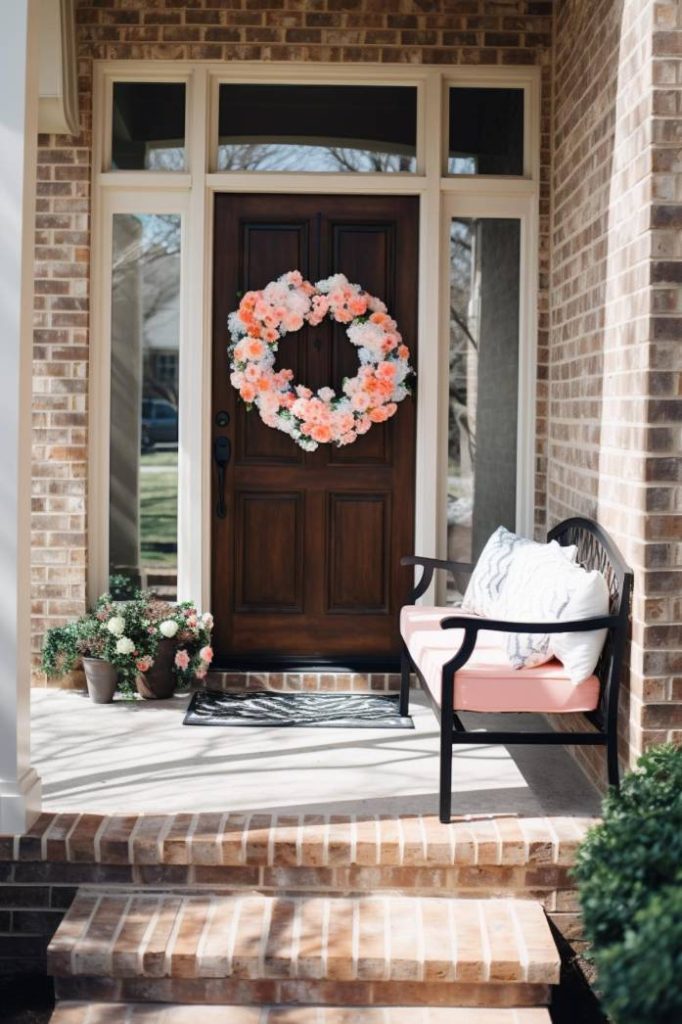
x,y
418,123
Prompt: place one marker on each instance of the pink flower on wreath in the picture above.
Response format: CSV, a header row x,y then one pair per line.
x,y
182,660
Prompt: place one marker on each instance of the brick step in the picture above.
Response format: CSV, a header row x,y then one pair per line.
x,y
284,841
254,949
146,1013
334,681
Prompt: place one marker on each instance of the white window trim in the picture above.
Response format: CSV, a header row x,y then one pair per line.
x,y
191,194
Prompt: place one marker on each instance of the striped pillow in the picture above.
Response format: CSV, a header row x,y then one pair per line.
x,y
491,570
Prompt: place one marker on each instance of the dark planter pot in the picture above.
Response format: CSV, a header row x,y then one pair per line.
x,y
159,682
101,678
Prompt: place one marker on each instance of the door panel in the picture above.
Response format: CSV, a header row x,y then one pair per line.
x,y
358,525
275,583
305,564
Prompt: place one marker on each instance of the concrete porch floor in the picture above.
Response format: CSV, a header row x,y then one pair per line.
x,y
137,757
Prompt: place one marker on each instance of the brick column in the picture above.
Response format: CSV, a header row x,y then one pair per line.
x,y
19,784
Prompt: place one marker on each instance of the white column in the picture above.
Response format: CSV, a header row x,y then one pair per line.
x,y
19,783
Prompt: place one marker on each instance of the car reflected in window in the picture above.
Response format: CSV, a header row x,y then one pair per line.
x,y
159,424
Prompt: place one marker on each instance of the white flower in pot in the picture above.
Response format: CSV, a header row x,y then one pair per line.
x,y
168,628
125,645
116,625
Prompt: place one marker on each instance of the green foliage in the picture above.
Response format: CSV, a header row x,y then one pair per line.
x,y
640,976
122,587
628,870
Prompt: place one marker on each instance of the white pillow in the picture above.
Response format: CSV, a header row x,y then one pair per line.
x,y
551,589
534,591
580,652
491,569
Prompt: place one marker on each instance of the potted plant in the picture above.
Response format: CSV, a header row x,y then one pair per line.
x,y
65,646
139,644
183,651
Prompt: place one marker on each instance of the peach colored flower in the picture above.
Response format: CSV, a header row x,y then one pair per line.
x,y
386,371
321,433
255,349
378,415
247,392
182,660
357,305
360,401
404,352
206,654
293,322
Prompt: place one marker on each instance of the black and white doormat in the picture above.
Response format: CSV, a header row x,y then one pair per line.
x,y
308,709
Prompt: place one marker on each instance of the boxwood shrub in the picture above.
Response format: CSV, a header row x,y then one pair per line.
x,y
629,873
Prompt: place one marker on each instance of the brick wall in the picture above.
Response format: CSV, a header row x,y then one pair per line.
x,y
615,317
503,32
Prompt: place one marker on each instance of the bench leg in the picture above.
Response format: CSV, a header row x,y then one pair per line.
x,y
612,759
445,804
404,708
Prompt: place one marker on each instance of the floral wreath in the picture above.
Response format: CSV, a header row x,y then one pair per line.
x,y
371,396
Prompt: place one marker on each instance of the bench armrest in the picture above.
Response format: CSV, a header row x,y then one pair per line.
x,y
504,626
429,565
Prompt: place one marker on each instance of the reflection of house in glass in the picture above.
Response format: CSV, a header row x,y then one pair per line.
x,y
144,399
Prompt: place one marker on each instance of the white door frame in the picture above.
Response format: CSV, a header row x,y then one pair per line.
x,y
191,194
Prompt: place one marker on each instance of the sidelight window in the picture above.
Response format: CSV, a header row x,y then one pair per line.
x,y
143,454
484,256
317,128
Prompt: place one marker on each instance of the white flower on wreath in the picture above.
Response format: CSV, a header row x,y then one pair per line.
x,y
116,625
168,628
125,645
326,394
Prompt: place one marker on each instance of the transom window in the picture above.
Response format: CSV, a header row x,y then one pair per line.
x,y
318,128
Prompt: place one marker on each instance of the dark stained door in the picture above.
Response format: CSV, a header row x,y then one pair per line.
x,y
305,562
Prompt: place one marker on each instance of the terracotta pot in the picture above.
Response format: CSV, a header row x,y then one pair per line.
x,y
159,682
101,678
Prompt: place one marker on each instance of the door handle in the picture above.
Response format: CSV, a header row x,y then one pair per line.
x,y
222,452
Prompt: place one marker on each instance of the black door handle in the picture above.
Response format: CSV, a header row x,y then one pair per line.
x,y
222,451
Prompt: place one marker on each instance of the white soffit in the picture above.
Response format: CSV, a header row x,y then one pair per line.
x,y
58,106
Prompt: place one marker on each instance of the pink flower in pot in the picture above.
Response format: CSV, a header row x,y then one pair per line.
x,y
182,660
206,654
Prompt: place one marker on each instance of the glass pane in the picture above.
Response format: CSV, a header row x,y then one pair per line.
x,y
145,342
327,128
148,126
486,131
483,398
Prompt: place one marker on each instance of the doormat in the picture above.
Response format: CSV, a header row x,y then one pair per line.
x,y
304,709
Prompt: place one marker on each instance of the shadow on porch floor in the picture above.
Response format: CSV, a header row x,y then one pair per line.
x,y
138,757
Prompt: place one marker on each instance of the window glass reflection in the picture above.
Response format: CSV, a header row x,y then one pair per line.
x,y
486,131
483,402
318,128
145,341
148,126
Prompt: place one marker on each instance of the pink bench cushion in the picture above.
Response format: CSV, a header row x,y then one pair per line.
x,y
488,682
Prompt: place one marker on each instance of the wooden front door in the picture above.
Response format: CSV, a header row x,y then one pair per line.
x,y
305,560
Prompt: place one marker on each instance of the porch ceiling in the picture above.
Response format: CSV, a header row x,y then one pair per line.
x,y
138,758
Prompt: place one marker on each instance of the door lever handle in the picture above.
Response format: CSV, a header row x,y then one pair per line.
x,y
222,452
